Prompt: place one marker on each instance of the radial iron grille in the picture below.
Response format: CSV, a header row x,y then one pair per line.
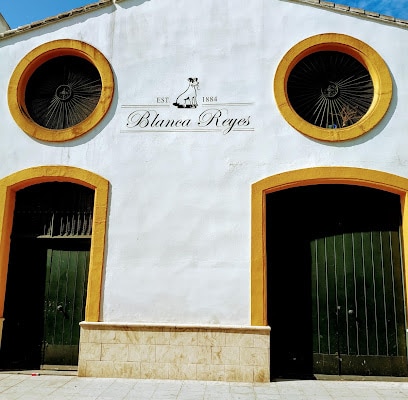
x,y
62,92
330,89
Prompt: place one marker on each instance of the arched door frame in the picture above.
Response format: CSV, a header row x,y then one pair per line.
x,y
19,180
304,177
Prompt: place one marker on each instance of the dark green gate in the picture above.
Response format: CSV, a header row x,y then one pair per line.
x,y
358,313
64,302
47,276
334,252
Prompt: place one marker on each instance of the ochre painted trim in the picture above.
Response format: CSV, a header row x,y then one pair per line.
x,y
304,177
362,52
37,57
19,180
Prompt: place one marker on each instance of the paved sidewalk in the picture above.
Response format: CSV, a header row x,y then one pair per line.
x,y
69,387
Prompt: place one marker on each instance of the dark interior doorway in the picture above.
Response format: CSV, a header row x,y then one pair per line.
x,y
47,276
335,291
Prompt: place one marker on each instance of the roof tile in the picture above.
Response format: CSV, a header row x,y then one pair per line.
x,y
372,14
356,10
327,4
387,18
341,7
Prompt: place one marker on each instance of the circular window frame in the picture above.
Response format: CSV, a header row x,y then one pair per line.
x,y
37,57
355,48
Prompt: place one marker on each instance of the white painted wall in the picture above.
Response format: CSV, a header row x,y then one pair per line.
x,y
178,247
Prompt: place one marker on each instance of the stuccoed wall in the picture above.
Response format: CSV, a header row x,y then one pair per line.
x,y
178,243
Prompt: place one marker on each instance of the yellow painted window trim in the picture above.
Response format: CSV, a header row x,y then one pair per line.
x,y
19,180
37,57
304,177
362,52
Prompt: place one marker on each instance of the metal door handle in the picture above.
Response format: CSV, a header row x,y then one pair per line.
x,y
60,308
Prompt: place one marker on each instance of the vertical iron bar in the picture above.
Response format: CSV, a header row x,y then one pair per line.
x,y
365,296
355,292
403,288
384,294
346,295
327,296
375,292
317,297
393,294
339,360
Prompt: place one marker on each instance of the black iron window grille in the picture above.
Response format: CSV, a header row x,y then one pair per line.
x,y
63,92
330,89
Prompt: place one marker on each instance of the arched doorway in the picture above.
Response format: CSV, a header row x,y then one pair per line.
x,y
335,291
47,275
261,268
12,184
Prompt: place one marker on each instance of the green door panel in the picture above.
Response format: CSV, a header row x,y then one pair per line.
x,y
64,304
43,275
357,301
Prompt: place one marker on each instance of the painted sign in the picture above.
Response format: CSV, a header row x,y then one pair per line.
x,y
202,114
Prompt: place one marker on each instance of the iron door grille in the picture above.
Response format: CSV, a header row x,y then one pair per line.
x,y
54,210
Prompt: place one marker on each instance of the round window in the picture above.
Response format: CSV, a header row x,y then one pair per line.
x,y
330,89
333,87
60,90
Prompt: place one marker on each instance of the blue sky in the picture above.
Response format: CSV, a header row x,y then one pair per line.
x,y
22,12
395,8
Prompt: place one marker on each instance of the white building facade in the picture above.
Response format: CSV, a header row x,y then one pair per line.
x,y
241,170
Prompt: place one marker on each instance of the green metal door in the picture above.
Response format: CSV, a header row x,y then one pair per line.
x,y
64,302
357,297
336,300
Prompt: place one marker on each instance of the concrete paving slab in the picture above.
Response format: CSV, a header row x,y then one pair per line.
x,y
33,385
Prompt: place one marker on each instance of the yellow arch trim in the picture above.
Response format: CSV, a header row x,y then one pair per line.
x,y
357,49
37,57
19,180
304,177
